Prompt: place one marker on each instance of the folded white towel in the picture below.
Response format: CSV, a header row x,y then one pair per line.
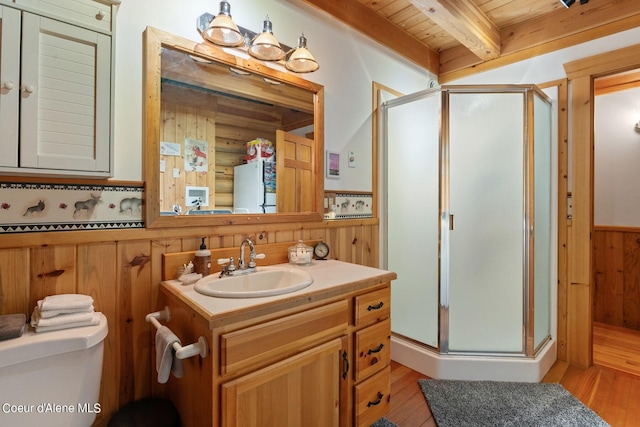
x,y
53,313
166,360
63,319
92,320
65,302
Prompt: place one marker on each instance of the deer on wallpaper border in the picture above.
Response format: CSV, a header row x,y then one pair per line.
x,y
86,208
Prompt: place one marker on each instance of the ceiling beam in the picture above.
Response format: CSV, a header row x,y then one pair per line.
x,y
465,22
366,21
544,34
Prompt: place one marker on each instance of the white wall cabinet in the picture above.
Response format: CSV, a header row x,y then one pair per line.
x,y
56,88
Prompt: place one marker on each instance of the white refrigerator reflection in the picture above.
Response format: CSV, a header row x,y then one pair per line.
x,y
254,187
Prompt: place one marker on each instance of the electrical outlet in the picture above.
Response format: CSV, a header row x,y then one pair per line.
x,y
352,159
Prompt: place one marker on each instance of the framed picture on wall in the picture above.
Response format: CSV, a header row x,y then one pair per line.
x,y
333,164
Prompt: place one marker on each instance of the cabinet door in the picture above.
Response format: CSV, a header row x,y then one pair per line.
x,y
9,84
65,96
303,390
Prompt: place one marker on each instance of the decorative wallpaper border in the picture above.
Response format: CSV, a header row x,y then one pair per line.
x,y
349,205
38,207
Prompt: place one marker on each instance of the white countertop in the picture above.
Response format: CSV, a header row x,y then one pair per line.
x,y
328,276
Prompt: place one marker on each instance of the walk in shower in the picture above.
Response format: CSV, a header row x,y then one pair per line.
x,y
467,179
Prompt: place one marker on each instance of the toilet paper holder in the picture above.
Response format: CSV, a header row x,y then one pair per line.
x,y
182,352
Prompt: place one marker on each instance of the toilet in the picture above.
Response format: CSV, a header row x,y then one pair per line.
x,y
52,378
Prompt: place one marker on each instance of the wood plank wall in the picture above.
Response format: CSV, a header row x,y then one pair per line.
x,y
616,254
189,113
121,269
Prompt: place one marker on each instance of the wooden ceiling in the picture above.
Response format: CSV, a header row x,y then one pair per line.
x,y
455,38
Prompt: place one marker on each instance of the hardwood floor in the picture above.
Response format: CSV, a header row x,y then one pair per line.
x,y
611,387
408,405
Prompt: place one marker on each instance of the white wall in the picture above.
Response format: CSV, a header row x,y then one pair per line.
x,y
349,62
617,159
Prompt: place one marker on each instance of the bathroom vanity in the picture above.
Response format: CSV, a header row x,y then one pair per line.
x,y
319,356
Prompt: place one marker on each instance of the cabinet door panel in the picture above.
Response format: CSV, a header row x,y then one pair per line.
x,y
9,84
87,13
303,390
65,101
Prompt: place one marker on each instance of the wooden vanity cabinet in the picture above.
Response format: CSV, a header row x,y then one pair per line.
x,y
322,362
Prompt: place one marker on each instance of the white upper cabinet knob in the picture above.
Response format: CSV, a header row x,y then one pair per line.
x,y
8,85
28,88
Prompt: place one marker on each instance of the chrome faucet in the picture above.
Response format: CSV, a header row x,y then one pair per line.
x,y
252,255
243,267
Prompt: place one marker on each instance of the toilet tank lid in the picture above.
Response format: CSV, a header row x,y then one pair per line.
x,y
33,345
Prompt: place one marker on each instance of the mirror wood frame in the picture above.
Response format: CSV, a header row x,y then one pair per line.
x,y
154,40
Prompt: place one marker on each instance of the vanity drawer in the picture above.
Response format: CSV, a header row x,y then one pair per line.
x,y
373,349
372,307
372,398
268,342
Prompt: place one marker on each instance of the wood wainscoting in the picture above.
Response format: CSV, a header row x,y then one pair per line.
x,y
122,270
616,262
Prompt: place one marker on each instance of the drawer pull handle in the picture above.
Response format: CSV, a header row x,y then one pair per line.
x,y
376,350
377,402
375,307
346,365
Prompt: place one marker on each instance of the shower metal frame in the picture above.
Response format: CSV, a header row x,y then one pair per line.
x,y
528,349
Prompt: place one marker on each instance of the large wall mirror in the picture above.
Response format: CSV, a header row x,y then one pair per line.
x,y
228,139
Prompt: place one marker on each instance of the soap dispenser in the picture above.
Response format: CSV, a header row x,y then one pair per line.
x,y
202,261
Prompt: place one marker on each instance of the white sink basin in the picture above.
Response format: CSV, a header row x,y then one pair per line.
x,y
266,281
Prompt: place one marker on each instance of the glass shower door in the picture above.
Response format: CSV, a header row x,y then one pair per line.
x,y
411,193
485,256
542,237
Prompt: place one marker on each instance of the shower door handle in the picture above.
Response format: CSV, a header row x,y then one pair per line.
x,y
451,222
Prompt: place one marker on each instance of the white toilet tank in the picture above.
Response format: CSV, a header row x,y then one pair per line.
x,y
52,378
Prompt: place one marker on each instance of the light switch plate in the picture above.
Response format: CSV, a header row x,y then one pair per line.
x,y
352,159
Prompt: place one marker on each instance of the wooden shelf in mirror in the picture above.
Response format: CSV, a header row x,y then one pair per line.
x,y
202,105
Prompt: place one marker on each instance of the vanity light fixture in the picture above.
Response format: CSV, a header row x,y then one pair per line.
x,y
300,60
265,46
222,30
